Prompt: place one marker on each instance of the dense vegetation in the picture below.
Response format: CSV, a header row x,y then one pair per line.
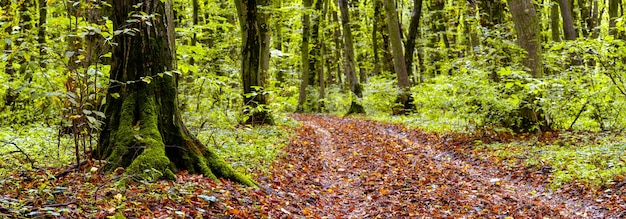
x,y
464,68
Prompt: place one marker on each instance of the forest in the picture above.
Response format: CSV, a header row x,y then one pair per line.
x,y
312,109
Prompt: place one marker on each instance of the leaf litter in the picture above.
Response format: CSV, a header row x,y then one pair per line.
x,y
334,168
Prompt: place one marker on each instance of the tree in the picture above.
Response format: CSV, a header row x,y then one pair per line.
x,y
304,57
348,63
528,38
254,99
399,61
568,21
143,131
528,33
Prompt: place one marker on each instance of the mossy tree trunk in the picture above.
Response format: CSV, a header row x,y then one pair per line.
x,y
143,131
349,66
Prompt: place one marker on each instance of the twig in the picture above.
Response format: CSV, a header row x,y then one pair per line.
x,y
578,115
60,205
32,163
68,170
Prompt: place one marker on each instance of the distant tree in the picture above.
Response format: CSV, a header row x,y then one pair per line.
x,y
568,20
143,131
304,57
399,61
349,66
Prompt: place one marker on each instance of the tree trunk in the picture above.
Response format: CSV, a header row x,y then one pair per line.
x,y
338,48
349,67
528,31
554,22
375,46
41,32
493,11
254,100
409,46
380,19
196,21
143,131
399,61
595,20
568,22
304,57
265,35
613,16
315,42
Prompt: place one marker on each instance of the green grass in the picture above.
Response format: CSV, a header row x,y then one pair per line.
x,y
250,149
39,142
593,159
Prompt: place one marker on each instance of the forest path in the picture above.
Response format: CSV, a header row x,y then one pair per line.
x,y
351,168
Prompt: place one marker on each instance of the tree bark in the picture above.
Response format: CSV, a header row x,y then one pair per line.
x,y
349,66
265,36
255,100
304,57
493,11
528,31
409,46
554,22
143,131
399,61
568,21
613,16
41,32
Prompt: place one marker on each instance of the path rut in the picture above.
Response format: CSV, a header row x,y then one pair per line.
x,y
350,168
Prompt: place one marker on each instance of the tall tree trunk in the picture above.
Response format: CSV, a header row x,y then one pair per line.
x,y
409,46
568,21
399,62
315,42
613,16
528,31
265,36
554,22
304,57
375,46
143,131
595,20
41,32
196,21
254,97
338,47
349,66
380,20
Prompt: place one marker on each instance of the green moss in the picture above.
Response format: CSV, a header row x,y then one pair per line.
x,y
122,138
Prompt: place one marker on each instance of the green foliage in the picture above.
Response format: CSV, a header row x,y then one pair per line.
x,y
593,159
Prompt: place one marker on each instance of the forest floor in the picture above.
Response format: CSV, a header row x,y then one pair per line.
x,y
334,168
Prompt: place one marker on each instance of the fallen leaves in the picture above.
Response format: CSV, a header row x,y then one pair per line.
x,y
334,168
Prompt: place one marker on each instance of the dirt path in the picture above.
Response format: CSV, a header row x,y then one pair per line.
x,y
350,168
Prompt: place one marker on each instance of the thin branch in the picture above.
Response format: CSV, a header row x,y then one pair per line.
x,y
32,163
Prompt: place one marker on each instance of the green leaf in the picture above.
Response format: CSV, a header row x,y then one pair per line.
x,y
146,79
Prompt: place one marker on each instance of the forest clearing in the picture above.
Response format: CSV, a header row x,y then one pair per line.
x,y
312,109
